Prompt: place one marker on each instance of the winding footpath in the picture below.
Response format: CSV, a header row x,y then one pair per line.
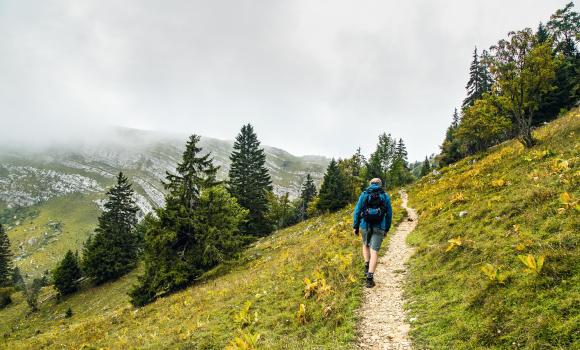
x,y
382,320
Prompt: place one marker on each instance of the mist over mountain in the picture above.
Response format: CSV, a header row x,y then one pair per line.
x,y
42,170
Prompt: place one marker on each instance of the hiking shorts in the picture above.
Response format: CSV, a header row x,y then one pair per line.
x,y
376,238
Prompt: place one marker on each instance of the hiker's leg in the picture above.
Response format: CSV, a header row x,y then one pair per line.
x,y
366,252
373,261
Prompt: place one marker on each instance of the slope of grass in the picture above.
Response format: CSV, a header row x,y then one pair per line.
x,y
475,292
296,289
39,241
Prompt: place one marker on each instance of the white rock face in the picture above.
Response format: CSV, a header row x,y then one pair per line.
x,y
26,185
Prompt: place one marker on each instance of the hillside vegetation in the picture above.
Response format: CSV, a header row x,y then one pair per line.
x,y
296,289
487,223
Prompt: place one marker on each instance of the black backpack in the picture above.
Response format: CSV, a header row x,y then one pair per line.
x,y
374,207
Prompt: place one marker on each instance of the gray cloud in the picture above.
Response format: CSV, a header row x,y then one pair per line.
x,y
314,77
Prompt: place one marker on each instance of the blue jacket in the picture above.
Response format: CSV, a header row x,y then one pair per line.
x,y
358,221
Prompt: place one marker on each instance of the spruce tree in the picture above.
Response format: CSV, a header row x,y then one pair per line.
x,y
456,119
399,173
450,149
307,194
542,33
308,191
5,259
197,228
473,86
249,180
112,251
334,192
425,168
67,274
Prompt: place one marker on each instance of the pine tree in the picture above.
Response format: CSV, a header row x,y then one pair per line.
x,y
381,160
308,191
334,192
112,251
456,119
425,168
67,274
542,34
480,79
193,174
399,173
450,149
5,259
249,180
197,228
473,86
485,74
307,194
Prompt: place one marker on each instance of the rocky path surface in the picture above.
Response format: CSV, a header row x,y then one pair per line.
x,y
382,324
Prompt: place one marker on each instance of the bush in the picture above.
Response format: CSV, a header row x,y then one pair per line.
x,y
5,299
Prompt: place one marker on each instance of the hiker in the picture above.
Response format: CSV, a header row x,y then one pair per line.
x,y
373,214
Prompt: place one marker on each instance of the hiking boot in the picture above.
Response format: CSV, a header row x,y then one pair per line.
x,y
366,268
370,281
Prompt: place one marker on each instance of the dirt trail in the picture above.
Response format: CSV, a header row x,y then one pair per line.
x,y
382,324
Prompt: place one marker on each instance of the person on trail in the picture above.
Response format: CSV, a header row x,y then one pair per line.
x,y
373,214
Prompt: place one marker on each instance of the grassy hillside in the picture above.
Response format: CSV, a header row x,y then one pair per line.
x,y
41,238
474,292
296,289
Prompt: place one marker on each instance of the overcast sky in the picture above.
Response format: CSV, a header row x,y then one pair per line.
x,y
313,77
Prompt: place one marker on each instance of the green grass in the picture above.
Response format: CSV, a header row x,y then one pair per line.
x,y
455,304
56,225
270,275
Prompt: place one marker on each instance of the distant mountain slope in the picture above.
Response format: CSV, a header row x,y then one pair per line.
x,y
485,222
29,177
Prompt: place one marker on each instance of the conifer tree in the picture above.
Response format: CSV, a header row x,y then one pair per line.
x,y
542,34
112,251
450,149
334,192
197,228
67,274
381,160
480,80
425,168
5,259
456,119
249,180
308,191
399,173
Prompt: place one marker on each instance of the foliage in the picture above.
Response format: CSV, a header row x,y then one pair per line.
x,y
483,125
307,195
334,192
66,274
523,71
533,264
425,168
112,251
197,228
249,180
5,259
493,274
479,80
31,292
5,296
